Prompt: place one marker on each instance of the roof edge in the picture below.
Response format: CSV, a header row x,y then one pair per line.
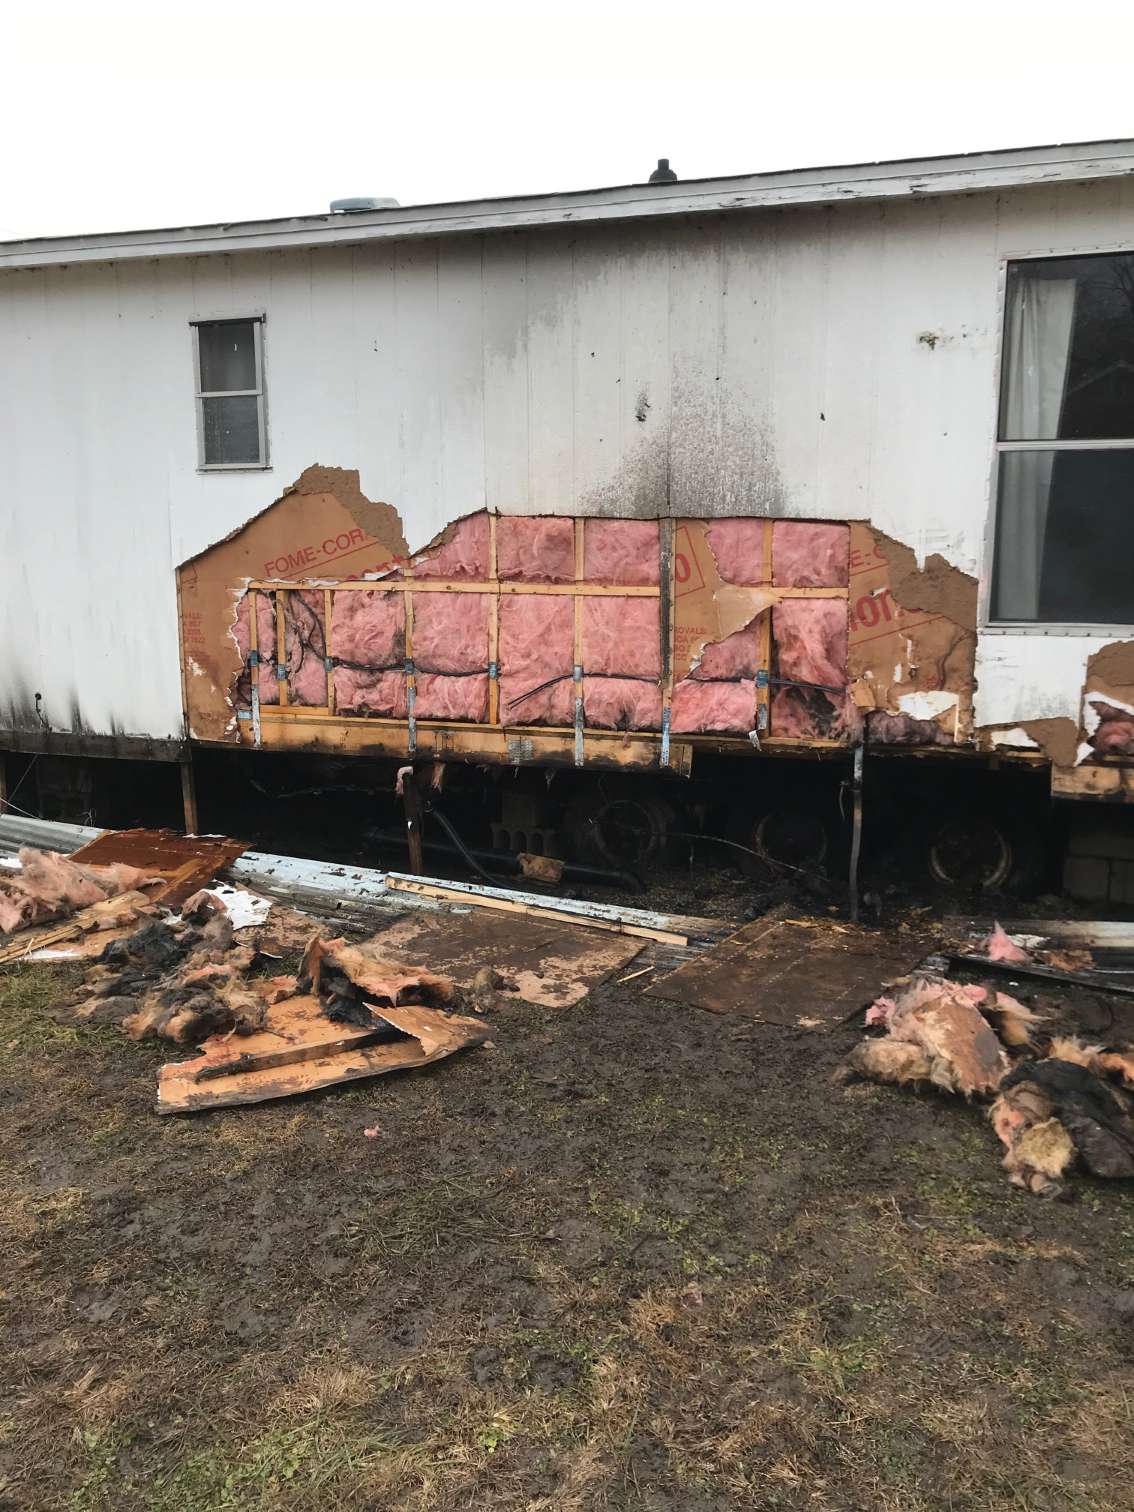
x,y
901,178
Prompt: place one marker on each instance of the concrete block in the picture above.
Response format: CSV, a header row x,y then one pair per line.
x,y
1087,877
1109,835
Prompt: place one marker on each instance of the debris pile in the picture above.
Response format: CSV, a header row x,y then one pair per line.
x,y
45,886
1053,1109
195,980
351,1012
179,977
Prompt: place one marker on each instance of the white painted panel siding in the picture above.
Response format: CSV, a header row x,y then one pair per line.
x,y
833,361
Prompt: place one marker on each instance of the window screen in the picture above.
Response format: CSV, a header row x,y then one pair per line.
x,y
230,393
1065,475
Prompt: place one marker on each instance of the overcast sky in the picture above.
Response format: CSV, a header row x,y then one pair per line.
x,y
128,115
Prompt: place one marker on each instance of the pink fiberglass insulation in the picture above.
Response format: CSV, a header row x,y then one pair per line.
x,y
738,549
726,707
450,632
622,703
738,655
805,555
450,653
464,554
810,638
721,694
266,645
535,549
623,553
459,698
378,693
306,648
1115,733
621,652
622,636
537,637
368,642
807,714
904,729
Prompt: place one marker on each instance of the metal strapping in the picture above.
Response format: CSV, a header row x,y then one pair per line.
x,y
411,698
665,736
253,664
578,675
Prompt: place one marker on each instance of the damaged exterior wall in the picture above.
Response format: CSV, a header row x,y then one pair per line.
x,y
756,363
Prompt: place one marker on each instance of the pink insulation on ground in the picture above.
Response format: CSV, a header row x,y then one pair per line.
x,y
723,707
537,637
623,553
368,642
621,658
450,636
805,555
463,555
738,549
535,549
810,638
266,645
306,648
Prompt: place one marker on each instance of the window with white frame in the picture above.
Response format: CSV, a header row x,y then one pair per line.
x,y
1065,466
231,424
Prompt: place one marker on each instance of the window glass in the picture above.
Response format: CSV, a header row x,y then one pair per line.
x,y
231,429
1065,537
1069,350
1065,491
228,356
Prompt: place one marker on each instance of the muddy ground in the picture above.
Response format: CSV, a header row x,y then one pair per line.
x,y
632,1256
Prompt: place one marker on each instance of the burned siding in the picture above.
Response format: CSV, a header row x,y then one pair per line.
x,y
752,364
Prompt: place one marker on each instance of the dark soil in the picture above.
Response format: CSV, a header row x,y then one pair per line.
x,y
630,1256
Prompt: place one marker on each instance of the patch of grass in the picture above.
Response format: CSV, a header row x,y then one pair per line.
x,y
30,997
300,1464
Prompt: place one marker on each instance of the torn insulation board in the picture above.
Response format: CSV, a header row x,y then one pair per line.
x,y
322,525
912,642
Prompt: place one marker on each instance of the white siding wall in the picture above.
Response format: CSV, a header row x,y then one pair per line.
x,y
777,359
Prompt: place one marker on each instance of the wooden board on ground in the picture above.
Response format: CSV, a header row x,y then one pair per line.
x,y
187,862
551,964
806,972
302,1050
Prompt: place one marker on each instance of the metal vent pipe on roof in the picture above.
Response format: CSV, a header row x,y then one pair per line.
x,y
663,173
360,203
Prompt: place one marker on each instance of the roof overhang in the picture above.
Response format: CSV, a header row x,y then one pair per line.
x,y
968,174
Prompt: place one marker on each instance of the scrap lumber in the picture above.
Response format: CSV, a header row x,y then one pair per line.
x,y
521,903
289,1057
808,973
1094,981
186,862
549,964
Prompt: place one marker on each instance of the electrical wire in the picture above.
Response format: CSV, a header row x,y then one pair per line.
x,y
467,855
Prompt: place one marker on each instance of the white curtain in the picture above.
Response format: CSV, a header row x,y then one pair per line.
x,y
1041,314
